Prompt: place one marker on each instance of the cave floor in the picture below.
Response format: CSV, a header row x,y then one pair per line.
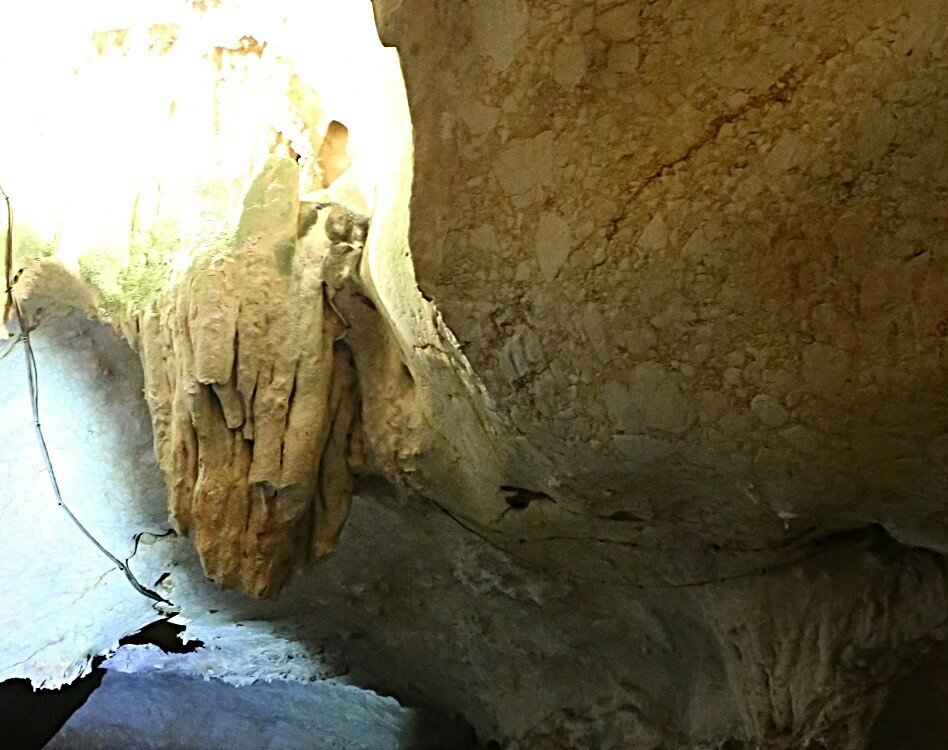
x,y
183,712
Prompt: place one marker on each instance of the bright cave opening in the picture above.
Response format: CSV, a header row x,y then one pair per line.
x,y
142,148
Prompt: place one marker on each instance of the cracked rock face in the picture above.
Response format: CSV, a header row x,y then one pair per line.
x,y
252,391
625,361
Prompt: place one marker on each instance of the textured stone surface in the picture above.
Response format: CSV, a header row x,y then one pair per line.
x,y
722,228
414,604
145,711
695,254
914,715
251,394
660,420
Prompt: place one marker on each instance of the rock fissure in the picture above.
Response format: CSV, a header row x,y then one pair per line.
x,y
780,92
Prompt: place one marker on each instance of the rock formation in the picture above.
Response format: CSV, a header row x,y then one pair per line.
x,y
649,302
252,389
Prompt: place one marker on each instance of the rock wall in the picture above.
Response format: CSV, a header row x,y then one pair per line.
x,y
695,253
641,319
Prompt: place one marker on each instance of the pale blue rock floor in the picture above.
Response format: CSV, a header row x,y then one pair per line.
x,y
161,711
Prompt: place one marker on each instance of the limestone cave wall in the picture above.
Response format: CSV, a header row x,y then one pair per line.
x,y
619,327
695,252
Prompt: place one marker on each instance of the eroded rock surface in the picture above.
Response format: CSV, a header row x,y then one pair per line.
x,y
695,254
662,422
252,389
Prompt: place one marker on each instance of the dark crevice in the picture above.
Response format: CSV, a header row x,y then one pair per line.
x,y
623,516
914,715
290,401
519,498
30,718
875,536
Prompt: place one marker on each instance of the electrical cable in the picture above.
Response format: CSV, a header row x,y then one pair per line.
x,y
12,303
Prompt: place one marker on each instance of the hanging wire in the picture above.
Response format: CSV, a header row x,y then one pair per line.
x,y
32,376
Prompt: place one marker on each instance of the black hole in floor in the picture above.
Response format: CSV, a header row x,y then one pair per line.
x,y
30,718
163,634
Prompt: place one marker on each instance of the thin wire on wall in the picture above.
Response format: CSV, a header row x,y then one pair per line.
x,y
12,304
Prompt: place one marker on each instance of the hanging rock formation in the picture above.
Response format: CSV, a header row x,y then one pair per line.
x,y
252,388
652,385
